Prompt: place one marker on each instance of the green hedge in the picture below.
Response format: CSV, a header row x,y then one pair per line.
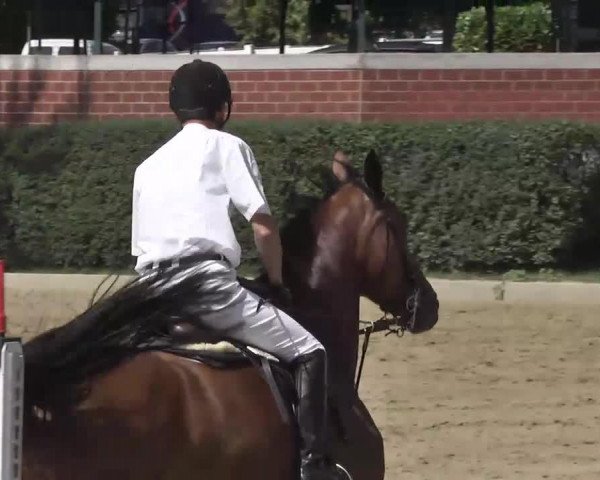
x,y
479,195
526,28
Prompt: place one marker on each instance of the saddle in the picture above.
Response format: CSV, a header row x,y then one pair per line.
x,y
190,340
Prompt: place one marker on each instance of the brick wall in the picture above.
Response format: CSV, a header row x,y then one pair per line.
x,y
352,88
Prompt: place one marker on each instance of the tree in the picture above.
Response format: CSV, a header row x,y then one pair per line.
x,y
257,21
51,18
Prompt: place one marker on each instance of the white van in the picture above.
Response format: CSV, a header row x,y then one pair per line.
x,y
64,46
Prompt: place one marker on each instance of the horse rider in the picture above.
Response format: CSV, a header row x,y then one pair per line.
x,y
180,216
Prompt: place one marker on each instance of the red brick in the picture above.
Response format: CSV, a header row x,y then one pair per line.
x,y
503,86
135,76
479,107
73,97
235,76
276,97
256,76
105,97
398,86
543,85
100,87
308,87
278,75
422,86
575,85
429,107
554,74
298,75
245,108
339,96
447,85
340,75
284,86
523,85
593,74
504,107
100,108
326,107
154,97
588,107
318,97
388,75
408,75
319,75
426,96
575,74
329,86
287,108
373,107
549,96
266,108
492,75
368,74
255,96
374,86
513,75
66,108
477,86
350,85
141,108
577,96
120,107
162,87
151,76
590,96
451,74
429,75
244,86
472,75
132,97
307,108
144,87
161,108
114,76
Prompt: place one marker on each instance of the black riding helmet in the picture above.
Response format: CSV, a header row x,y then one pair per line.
x,y
198,90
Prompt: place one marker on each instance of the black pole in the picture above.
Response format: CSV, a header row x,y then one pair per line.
x,y
97,27
165,30
489,16
361,27
283,7
449,24
39,22
127,26
136,36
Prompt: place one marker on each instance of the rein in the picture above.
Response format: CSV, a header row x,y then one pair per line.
x,y
389,323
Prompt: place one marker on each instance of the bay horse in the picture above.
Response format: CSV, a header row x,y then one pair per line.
x,y
104,400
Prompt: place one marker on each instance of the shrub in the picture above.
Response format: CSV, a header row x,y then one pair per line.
x,y
526,28
478,195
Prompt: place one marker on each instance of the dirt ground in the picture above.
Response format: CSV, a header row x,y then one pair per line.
x,y
495,391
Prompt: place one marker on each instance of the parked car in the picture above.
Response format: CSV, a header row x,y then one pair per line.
x,y
155,45
64,46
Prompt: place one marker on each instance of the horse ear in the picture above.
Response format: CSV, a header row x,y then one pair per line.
x,y
374,174
341,162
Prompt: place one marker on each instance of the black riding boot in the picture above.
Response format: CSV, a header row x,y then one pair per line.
x,y
311,384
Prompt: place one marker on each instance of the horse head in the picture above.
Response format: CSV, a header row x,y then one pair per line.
x,y
361,238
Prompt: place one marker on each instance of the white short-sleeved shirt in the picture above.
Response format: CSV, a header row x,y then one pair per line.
x,y
182,194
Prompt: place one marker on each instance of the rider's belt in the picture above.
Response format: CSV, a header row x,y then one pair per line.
x,y
187,261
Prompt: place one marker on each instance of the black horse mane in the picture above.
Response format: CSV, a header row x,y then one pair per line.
x,y
135,318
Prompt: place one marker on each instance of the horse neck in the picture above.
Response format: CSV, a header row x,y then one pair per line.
x,y
329,283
